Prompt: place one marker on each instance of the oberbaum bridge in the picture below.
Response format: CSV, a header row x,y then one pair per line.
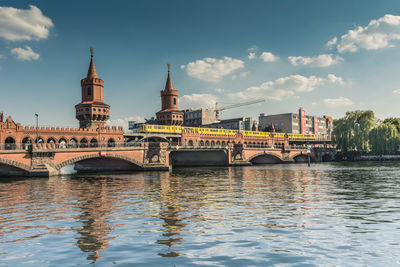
x,y
44,151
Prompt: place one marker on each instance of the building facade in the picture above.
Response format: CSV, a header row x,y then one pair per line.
x,y
92,111
198,117
242,123
169,113
297,123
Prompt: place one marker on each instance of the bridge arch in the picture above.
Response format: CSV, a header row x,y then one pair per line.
x,y
93,156
265,157
15,164
302,157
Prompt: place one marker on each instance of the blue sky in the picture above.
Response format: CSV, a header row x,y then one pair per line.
x,y
225,51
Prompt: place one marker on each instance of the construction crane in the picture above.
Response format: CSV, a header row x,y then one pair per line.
x,y
218,110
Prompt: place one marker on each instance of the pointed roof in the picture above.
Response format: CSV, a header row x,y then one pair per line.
x,y
169,86
92,69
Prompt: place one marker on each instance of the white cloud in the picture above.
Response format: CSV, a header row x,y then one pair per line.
x,y
251,56
197,101
212,69
268,57
335,79
219,90
234,77
284,87
332,42
378,34
253,48
2,56
23,24
25,54
124,122
335,102
324,60
396,92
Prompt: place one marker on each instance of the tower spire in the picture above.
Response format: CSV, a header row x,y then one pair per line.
x,y
169,86
92,69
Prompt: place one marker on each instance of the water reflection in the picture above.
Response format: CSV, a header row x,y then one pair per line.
x,y
257,216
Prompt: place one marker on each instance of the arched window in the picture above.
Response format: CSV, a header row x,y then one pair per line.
x,y
89,91
83,143
111,142
94,143
174,101
73,143
10,143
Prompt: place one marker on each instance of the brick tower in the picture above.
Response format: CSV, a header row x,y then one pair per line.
x,y
169,113
92,112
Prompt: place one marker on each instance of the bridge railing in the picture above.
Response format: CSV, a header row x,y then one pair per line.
x,y
29,146
216,146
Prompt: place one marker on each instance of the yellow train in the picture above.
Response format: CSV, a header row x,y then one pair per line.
x,y
149,128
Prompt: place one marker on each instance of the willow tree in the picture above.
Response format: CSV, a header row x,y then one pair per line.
x,y
351,133
393,121
385,139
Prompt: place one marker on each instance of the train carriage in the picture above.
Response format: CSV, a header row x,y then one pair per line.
x,y
149,128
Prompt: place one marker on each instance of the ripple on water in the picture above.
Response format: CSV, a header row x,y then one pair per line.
x,y
328,214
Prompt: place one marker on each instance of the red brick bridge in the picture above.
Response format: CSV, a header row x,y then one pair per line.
x,y
48,159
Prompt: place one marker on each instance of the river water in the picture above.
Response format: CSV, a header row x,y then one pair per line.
x,y
345,214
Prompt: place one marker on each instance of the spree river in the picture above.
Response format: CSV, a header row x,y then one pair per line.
x,y
286,215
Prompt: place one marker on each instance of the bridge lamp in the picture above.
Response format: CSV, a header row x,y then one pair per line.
x,y
37,128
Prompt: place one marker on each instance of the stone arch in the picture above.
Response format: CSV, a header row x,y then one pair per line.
x,y
111,142
270,158
207,143
92,156
83,142
212,143
302,157
190,142
39,140
94,142
26,142
73,142
201,143
15,164
51,140
9,143
62,142
218,143
223,143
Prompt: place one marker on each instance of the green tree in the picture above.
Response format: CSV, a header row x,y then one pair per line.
x,y
385,139
351,133
393,121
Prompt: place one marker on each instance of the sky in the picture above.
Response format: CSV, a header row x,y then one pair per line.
x,y
328,57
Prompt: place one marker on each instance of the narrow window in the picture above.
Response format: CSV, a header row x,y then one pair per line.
x,y
174,101
89,91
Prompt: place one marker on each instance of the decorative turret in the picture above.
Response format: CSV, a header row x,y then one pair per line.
x,y
169,113
169,96
92,111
